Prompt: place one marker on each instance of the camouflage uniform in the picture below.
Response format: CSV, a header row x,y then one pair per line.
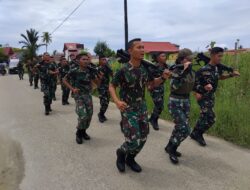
x,y
208,74
182,83
54,67
20,70
63,70
157,94
36,77
46,82
132,82
103,89
30,72
84,105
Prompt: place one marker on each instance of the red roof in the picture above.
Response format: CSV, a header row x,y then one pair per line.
x,y
160,47
8,51
73,46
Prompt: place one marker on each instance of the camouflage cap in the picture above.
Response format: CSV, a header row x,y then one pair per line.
x,y
185,53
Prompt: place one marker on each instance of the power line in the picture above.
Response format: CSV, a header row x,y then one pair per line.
x,y
68,17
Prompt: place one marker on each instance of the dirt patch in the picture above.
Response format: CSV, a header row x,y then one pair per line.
x,y
11,163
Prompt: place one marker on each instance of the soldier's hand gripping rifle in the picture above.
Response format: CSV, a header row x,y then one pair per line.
x,y
124,57
201,57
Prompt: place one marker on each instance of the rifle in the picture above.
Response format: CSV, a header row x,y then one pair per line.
x,y
201,57
124,57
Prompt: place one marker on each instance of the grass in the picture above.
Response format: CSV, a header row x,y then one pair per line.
x,y
232,105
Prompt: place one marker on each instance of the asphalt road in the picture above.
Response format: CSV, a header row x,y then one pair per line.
x,y
49,158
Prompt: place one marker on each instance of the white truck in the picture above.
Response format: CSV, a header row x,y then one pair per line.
x,y
13,66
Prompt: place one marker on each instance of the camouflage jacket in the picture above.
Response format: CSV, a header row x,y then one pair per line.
x,y
107,71
208,74
81,79
132,83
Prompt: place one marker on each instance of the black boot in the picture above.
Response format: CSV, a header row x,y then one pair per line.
x,y
171,150
120,162
130,161
198,137
85,135
46,110
49,107
154,122
101,117
167,149
79,136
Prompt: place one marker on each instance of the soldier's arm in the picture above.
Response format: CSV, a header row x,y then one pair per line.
x,y
121,105
230,75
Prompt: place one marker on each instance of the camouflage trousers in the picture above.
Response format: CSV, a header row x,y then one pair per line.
x,y
47,93
104,97
179,110
65,93
84,110
54,87
20,74
135,128
207,115
158,99
36,79
31,77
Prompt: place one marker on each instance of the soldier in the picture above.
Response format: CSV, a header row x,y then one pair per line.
x,y
54,68
181,84
36,76
132,79
20,70
157,93
63,70
103,89
73,62
46,75
205,86
29,67
82,79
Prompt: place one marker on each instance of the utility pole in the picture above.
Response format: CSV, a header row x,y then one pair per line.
x,y
126,23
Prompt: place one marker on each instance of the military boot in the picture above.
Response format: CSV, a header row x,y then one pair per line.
x,y
154,122
198,137
120,162
168,149
130,161
101,117
46,110
79,136
171,150
85,135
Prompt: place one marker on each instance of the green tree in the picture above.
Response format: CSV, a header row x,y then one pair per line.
x,y
30,43
102,48
47,39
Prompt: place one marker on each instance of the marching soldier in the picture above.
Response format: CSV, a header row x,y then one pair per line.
x,y
181,85
132,79
157,93
46,75
63,70
205,86
103,89
82,79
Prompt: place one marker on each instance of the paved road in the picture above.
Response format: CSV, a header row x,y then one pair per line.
x,y
53,161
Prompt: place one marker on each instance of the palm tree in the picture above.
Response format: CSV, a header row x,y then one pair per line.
x,y
46,39
30,43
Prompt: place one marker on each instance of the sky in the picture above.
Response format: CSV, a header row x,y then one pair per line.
x,y
189,23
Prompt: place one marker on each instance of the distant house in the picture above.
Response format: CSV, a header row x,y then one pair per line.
x,y
232,52
8,51
72,48
153,47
